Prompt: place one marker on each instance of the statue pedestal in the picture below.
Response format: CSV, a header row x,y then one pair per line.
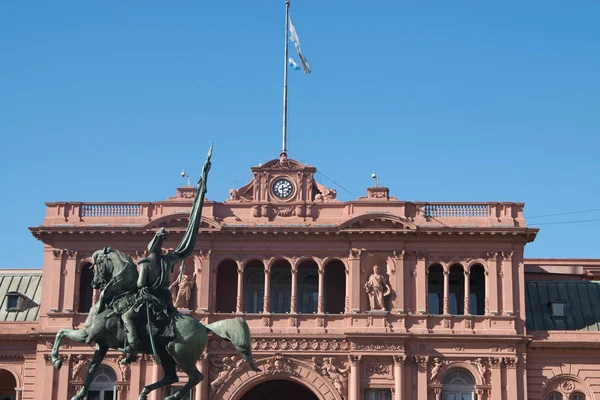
x,y
377,320
381,313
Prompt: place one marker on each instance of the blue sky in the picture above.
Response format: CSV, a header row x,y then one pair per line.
x,y
447,101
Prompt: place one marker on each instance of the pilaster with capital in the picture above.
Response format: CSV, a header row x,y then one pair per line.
x,y
267,295
202,268
446,303
56,279
201,391
507,283
402,266
354,386
511,377
70,277
399,362
420,273
491,281
496,377
239,303
294,295
354,262
422,367
321,296
467,304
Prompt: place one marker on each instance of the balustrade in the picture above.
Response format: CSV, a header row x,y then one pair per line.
x,y
470,210
111,210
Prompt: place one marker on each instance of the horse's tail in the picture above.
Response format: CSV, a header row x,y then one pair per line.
x,y
236,331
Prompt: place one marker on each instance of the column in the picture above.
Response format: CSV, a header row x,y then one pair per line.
x,y
491,283
321,297
294,295
56,280
467,293
422,362
496,377
239,303
438,394
420,273
62,390
201,389
355,284
446,290
507,282
400,290
70,277
354,386
399,376
267,295
511,377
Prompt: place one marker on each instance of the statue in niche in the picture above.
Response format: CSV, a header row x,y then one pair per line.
x,y
377,288
184,290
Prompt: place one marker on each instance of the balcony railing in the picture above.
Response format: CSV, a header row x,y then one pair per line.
x,y
111,210
457,210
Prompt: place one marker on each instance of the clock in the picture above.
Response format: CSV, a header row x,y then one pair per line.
x,y
282,188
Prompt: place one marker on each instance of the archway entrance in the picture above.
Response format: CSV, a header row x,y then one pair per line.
x,y
7,385
279,389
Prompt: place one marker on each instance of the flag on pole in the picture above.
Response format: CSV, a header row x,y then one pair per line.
x,y
296,41
293,64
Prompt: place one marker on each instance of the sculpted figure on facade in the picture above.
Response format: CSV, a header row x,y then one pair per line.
x,y
436,368
481,368
323,193
225,368
337,376
184,290
377,288
78,363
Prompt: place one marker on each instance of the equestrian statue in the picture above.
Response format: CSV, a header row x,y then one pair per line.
x,y
135,313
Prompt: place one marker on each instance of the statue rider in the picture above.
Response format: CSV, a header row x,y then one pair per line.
x,y
153,287
155,271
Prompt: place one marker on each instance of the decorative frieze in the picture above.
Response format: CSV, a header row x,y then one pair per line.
x,y
280,365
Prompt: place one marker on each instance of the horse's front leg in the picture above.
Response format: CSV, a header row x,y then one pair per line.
x,y
96,361
77,335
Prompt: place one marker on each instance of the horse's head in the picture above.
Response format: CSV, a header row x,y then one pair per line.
x,y
107,264
102,264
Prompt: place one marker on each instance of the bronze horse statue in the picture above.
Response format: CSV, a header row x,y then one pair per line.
x,y
182,350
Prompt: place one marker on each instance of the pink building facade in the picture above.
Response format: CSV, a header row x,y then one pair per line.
x,y
463,315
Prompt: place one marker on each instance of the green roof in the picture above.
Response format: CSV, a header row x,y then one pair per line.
x,y
582,305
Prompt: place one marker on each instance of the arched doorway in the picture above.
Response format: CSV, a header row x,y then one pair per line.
x,y
7,385
103,386
458,384
279,389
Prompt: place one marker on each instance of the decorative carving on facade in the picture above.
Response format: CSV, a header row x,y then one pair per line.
x,y
293,344
77,364
482,368
378,369
320,322
283,211
377,346
495,362
234,195
436,367
459,348
255,211
184,290
354,254
222,370
568,386
446,322
377,288
323,194
265,320
421,255
399,360
421,361
293,321
280,365
510,362
264,210
398,254
507,255
337,375
354,359
125,371
468,322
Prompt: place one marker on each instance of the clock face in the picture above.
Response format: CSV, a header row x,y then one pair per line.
x,y
282,188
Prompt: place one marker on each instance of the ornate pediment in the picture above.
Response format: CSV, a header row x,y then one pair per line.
x,y
378,222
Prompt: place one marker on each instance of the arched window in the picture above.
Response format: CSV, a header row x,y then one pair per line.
x,y
335,287
435,289
554,396
103,386
458,384
7,385
254,286
281,287
227,277
577,396
456,292
86,292
477,290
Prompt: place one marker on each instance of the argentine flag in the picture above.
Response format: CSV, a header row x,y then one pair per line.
x,y
296,41
293,64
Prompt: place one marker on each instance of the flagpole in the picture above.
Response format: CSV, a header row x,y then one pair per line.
x,y
285,77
